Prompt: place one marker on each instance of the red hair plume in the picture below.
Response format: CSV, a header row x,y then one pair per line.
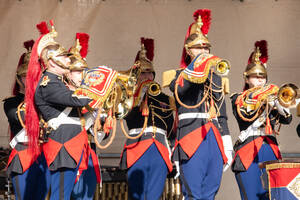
x,y
206,19
263,47
84,43
43,27
149,46
31,116
32,78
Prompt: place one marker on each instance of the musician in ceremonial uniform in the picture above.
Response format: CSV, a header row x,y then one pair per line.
x,y
27,172
89,172
203,143
147,157
58,109
257,111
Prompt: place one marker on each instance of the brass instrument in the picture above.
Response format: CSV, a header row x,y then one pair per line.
x,y
223,67
115,190
252,100
125,87
154,89
287,95
117,104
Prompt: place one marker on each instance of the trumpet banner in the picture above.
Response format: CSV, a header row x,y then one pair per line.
x,y
97,84
197,71
253,97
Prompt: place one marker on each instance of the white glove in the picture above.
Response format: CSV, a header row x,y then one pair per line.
x,y
228,148
282,110
177,169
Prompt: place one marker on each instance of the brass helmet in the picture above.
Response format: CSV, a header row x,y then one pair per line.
x,y
258,60
48,49
24,59
79,52
22,66
196,35
145,55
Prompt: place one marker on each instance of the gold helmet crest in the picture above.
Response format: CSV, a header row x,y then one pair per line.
x,y
79,52
258,60
196,36
48,48
145,55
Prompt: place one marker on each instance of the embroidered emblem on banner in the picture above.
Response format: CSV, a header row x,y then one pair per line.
x,y
94,79
97,84
294,186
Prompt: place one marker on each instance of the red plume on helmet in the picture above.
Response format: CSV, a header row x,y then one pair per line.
x,y
43,28
206,20
84,43
32,79
263,48
27,45
149,46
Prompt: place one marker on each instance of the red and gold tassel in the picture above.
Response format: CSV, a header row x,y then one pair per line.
x,y
145,107
108,125
268,128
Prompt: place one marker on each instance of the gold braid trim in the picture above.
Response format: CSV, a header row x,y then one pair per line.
x,y
238,108
97,127
282,165
184,105
19,114
161,118
139,135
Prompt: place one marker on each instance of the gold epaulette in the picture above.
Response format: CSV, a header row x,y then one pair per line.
x,y
168,77
225,85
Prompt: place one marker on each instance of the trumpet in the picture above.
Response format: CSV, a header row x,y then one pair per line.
x,y
288,94
154,89
223,67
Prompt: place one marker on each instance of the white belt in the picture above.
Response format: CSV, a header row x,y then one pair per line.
x,y
20,137
56,122
63,118
193,115
254,129
251,132
149,129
